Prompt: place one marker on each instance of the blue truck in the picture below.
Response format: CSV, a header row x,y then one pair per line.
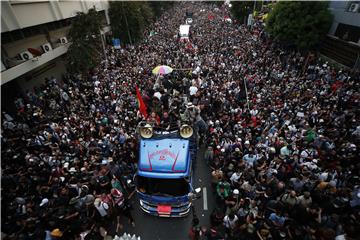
x,y
164,176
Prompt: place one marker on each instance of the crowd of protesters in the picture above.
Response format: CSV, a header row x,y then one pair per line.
x,y
281,133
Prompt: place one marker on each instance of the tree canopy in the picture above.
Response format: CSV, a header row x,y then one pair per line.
x,y
129,19
159,7
240,10
85,51
302,24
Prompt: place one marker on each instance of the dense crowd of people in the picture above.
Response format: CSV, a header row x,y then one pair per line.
x,y
281,134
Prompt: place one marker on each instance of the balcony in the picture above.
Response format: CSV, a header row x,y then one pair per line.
x,y
31,64
341,51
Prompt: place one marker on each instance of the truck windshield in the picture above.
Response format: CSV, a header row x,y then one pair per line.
x,y
163,187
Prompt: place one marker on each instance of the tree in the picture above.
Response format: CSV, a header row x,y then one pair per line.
x,y
158,7
129,19
302,24
241,10
216,2
85,51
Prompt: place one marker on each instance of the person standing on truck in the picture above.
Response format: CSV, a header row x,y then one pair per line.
x,y
153,119
166,121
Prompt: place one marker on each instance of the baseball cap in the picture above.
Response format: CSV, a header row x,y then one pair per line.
x,y
44,201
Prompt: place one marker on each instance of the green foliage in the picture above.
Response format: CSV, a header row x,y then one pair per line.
x,y
147,13
159,7
303,24
85,51
216,2
241,10
129,19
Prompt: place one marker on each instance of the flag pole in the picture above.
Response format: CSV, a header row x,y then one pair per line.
x,y
182,69
247,97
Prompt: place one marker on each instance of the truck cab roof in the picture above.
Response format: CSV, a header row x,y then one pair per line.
x,y
164,158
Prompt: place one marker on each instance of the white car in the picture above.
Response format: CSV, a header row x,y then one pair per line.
x,y
189,21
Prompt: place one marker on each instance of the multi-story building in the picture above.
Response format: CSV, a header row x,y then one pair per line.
x,y
346,22
30,28
343,41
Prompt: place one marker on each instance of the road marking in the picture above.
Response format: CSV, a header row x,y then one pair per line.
x,y
205,198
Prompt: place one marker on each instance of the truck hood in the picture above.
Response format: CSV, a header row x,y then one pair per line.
x,y
162,199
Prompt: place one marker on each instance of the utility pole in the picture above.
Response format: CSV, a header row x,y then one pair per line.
x,y
126,22
103,46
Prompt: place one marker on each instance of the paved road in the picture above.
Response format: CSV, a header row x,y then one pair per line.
x,y
155,228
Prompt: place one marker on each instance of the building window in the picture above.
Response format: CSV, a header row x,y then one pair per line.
x,y
348,32
8,37
354,7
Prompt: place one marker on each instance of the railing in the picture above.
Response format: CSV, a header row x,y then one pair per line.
x,y
31,64
341,51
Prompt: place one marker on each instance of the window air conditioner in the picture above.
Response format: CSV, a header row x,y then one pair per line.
x,y
63,40
3,67
26,55
46,47
354,7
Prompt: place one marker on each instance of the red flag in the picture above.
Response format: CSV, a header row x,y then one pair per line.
x,y
189,46
142,106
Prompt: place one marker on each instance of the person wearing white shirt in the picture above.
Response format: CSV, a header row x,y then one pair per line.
x,y
285,151
254,111
305,200
250,158
101,206
230,221
193,90
235,177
